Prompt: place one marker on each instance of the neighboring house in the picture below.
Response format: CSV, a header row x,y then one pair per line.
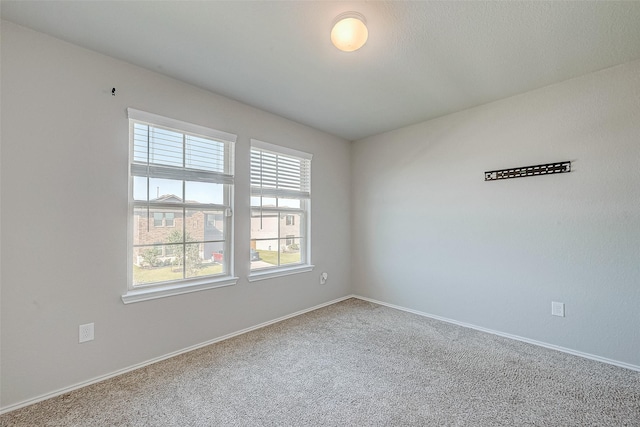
x,y
264,231
155,226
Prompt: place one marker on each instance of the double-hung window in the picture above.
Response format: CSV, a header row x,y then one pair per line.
x,y
181,194
280,210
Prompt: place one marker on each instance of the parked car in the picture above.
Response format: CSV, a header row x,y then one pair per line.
x,y
255,255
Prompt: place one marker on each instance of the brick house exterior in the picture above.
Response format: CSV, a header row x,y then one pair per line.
x,y
155,226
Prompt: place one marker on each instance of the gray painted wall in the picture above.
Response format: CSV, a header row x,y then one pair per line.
x,y
64,218
430,235
427,232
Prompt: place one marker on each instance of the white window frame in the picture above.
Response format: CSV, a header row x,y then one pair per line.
x,y
142,292
303,193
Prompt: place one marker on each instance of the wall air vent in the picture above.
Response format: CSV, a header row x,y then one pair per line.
x,y
546,169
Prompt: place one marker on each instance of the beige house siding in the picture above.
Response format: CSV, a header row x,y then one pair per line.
x,y
266,227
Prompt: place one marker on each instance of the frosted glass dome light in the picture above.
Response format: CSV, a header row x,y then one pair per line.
x,y
349,32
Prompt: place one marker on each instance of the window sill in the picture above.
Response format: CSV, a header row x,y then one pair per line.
x,y
145,294
278,272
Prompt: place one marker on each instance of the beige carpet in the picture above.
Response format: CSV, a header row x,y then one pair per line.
x,y
355,364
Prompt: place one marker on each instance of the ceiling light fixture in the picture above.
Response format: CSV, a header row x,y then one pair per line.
x,y
349,31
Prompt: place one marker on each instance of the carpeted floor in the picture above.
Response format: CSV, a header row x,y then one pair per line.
x,y
355,364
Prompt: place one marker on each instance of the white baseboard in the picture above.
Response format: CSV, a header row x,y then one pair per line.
x,y
100,378
502,334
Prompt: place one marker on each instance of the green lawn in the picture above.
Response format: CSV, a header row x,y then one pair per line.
x,y
163,274
285,258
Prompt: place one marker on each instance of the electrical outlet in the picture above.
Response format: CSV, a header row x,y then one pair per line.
x,y
557,308
85,333
323,278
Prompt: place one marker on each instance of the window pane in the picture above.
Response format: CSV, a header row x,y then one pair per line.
x,y
264,225
140,188
165,147
208,228
204,192
172,251
157,263
208,269
205,225
204,154
268,202
165,190
140,139
289,203
215,252
264,253
193,258
290,251
214,225
290,224
201,263
155,228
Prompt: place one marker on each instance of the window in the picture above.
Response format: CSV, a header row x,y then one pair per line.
x,y
280,208
168,219
181,186
161,219
157,219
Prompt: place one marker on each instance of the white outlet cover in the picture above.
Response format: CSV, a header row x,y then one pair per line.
x,y
85,333
557,308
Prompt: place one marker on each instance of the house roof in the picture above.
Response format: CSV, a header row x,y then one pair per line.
x,y
422,59
170,198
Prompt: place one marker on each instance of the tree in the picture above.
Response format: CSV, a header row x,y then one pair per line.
x,y
192,256
150,256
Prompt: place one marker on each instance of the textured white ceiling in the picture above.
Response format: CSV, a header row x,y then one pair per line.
x,y
422,59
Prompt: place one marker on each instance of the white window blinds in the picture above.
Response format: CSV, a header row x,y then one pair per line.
x,y
193,153
279,172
